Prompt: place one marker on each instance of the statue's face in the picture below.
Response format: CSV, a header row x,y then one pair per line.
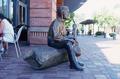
x,y
65,13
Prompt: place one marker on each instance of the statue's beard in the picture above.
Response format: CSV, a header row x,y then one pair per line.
x,y
65,17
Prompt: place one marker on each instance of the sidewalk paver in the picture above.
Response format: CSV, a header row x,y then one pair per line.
x,y
101,58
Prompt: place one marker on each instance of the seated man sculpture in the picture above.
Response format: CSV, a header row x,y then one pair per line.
x,y
58,38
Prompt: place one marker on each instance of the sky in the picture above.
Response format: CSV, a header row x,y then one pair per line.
x,y
91,7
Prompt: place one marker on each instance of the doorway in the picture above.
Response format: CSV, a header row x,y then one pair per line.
x,y
20,17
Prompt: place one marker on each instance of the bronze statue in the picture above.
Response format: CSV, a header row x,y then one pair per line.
x,y
58,38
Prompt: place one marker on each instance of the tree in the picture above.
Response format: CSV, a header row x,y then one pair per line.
x,y
69,20
106,20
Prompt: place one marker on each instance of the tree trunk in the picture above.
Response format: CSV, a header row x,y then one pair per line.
x,y
104,32
98,28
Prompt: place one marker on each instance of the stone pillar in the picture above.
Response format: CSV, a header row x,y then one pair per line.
x,y
42,13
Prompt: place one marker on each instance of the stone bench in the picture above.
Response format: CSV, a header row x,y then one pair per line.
x,y
44,57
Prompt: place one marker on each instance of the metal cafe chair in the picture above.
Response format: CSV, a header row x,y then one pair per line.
x,y
0,47
15,41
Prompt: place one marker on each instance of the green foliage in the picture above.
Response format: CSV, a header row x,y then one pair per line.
x,y
105,19
69,20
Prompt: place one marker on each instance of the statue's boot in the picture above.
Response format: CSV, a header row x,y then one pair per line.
x,y
81,64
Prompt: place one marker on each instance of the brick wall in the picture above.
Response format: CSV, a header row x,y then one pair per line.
x,y
42,12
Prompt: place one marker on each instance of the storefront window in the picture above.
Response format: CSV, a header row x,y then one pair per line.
x,y
6,7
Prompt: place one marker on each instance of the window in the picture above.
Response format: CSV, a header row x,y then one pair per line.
x,y
22,13
6,7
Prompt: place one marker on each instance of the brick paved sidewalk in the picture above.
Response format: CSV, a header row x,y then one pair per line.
x,y
100,56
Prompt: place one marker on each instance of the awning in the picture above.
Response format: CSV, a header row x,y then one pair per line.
x,y
74,4
88,21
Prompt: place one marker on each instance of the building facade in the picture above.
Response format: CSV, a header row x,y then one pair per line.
x,y
18,12
42,13
15,10
37,14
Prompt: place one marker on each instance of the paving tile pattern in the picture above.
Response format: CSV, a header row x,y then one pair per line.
x,y
97,64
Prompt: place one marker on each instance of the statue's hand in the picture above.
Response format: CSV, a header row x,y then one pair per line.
x,y
69,39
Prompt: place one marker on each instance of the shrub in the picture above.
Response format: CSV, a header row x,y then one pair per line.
x,y
99,33
112,34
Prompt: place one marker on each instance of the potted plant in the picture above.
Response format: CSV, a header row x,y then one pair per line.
x,y
113,34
